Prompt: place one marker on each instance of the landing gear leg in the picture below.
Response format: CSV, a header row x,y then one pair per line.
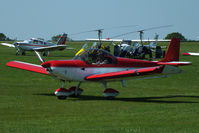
x,y
18,50
77,88
63,83
17,53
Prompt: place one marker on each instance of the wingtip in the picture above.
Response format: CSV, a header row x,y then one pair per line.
x,y
185,54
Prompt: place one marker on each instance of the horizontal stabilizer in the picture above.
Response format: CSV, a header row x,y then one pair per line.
x,y
27,66
121,74
175,63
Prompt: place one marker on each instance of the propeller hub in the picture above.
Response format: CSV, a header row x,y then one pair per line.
x,y
46,65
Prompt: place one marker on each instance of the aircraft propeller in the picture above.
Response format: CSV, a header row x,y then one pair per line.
x,y
42,61
99,31
141,32
39,56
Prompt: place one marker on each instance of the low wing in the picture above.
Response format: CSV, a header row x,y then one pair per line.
x,y
27,66
7,44
121,74
51,48
190,53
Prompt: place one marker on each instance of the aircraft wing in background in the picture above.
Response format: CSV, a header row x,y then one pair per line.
x,y
51,48
7,44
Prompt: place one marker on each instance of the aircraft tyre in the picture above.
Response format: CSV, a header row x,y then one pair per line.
x,y
62,93
61,97
44,54
23,53
110,98
110,93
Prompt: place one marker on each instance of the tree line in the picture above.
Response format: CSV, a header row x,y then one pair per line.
x,y
55,38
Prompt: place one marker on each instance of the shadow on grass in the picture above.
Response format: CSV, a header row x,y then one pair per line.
x,y
158,99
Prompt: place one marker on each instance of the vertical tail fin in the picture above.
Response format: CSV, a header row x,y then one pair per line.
x,y
62,39
173,50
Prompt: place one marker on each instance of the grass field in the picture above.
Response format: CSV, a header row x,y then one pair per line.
x,y
166,105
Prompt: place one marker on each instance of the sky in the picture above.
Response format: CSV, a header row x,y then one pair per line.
x,y
24,19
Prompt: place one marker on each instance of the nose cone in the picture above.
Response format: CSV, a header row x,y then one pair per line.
x,y
45,64
15,43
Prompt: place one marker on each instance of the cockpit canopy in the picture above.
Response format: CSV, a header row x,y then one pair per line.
x,y
36,41
96,56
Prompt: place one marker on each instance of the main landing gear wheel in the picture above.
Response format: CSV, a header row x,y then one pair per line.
x,y
23,53
110,93
61,97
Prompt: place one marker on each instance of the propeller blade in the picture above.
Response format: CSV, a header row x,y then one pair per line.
x,y
141,31
39,56
100,30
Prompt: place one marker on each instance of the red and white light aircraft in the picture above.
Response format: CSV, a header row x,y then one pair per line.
x,y
38,45
96,65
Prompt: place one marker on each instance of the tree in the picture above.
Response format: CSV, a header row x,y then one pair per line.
x,y
176,35
2,37
55,38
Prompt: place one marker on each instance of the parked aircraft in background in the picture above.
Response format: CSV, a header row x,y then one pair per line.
x,y
191,53
135,48
39,45
97,65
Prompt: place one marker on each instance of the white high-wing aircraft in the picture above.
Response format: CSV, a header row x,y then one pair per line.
x,y
38,45
97,65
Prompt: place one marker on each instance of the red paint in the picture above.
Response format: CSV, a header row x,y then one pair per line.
x,y
173,50
185,54
121,62
110,90
62,90
26,66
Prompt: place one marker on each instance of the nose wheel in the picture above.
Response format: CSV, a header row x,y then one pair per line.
x,y
63,93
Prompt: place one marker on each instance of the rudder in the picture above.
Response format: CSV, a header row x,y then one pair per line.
x,y
62,39
173,51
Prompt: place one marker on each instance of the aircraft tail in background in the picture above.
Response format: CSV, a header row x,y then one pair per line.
x,y
62,40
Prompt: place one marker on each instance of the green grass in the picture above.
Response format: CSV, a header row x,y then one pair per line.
x,y
27,103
